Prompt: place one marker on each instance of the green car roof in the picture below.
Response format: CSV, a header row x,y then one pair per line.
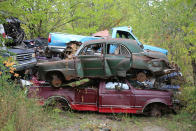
x,y
130,44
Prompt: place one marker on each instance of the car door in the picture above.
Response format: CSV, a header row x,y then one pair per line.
x,y
91,59
117,60
116,97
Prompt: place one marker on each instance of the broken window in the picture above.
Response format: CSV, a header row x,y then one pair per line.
x,y
94,49
116,49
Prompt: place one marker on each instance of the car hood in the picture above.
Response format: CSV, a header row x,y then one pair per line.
x,y
153,48
155,55
20,51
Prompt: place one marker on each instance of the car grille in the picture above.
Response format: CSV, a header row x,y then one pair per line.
x,y
24,57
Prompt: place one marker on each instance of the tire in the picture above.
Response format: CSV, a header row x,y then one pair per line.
x,y
155,111
56,80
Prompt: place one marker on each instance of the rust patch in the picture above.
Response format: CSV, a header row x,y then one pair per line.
x,y
71,49
69,77
104,33
141,77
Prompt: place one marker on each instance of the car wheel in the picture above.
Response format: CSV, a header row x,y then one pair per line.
x,y
155,111
56,80
141,77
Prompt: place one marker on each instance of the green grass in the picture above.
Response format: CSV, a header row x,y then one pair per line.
x,y
115,122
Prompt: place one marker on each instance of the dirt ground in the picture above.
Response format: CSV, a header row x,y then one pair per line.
x,y
90,121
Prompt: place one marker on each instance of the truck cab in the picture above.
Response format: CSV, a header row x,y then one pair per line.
x,y
127,32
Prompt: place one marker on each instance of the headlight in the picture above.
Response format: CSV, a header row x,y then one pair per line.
x,y
33,55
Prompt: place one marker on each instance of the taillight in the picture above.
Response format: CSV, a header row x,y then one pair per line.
x,y
4,35
49,38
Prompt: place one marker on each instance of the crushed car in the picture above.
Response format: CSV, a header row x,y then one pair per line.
x,y
106,58
12,46
106,96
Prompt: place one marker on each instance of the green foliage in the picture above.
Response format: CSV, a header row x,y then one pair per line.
x,y
170,25
39,16
188,98
96,15
78,16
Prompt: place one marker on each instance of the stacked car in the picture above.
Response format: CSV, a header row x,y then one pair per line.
x,y
111,76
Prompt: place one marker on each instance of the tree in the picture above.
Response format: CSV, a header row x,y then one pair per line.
x,y
40,16
168,24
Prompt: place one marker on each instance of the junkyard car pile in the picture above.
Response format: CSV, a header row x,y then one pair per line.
x,y
115,75
110,75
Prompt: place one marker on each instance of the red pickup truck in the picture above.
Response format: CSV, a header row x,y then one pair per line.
x,y
109,97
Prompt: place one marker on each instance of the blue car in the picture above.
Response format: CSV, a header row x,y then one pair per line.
x,y
57,42
127,32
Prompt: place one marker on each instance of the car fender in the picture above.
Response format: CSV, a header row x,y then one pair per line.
x,y
155,100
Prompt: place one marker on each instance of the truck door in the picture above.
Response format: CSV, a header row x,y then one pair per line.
x,y
91,59
116,97
86,99
117,60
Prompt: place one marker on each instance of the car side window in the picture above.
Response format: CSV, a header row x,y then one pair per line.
x,y
94,49
117,49
113,85
123,34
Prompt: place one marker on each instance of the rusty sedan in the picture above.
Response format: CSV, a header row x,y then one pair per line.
x,y
106,58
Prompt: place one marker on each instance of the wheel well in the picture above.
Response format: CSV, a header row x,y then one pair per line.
x,y
57,99
149,106
54,72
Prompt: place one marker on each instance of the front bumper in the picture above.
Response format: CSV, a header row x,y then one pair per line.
x,y
25,64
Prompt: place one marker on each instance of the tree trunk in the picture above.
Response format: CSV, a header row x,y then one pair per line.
x,y
194,70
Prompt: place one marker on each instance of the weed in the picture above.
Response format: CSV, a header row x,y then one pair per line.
x,y
17,112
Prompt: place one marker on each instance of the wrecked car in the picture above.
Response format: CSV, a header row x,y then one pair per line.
x,y
107,96
105,58
14,47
